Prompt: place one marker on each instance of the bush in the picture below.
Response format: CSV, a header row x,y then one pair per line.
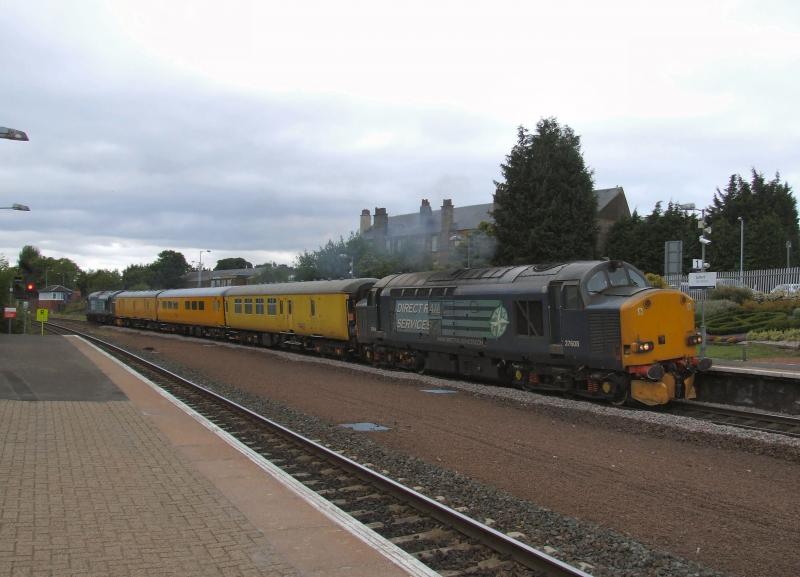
x,y
744,321
715,307
731,293
787,335
656,281
783,305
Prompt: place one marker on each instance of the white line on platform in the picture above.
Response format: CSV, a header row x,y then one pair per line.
x,y
389,550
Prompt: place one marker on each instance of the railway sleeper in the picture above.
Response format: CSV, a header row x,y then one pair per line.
x,y
433,553
495,564
432,535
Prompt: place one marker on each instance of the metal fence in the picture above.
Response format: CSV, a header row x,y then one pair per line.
x,y
758,280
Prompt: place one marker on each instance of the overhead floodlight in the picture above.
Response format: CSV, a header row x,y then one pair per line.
x,y
17,206
13,134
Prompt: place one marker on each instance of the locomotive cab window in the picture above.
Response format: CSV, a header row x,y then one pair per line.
x,y
619,277
598,282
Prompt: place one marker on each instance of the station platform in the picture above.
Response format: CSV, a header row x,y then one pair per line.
x,y
103,474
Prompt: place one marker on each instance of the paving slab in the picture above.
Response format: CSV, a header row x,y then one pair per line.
x,y
123,481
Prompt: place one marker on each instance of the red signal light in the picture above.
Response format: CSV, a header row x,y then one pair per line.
x,y
30,287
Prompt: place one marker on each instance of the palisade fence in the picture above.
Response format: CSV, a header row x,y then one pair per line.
x,y
758,280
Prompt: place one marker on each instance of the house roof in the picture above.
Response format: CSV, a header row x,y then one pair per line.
x,y
55,288
467,217
191,276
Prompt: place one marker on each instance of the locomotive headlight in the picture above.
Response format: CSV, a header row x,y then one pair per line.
x,y
642,346
694,340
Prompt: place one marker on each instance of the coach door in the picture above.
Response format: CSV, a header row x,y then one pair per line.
x,y
554,298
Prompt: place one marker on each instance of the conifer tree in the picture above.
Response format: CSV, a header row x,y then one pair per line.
x,y
545,209
769,211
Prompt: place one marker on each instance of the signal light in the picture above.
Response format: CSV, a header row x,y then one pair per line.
x,y
19,288
30,287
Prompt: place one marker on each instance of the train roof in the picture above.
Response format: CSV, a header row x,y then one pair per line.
x,y
349,286
103,295
194,292
537,275
138,294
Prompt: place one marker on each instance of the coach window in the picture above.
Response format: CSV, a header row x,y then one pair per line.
x,y
281,306
259,306
289,309
272,306
237,305
194,305
248,306
201,305
187,305
313,308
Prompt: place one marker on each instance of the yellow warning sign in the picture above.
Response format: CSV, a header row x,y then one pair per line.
x,y
41,315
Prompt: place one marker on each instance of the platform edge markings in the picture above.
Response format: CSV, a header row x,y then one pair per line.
x,y
390,551
758,371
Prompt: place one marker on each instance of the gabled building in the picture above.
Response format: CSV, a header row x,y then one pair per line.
x,y
55,297
219,278
440,231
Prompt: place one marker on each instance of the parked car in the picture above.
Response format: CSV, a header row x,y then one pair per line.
x,y
791,289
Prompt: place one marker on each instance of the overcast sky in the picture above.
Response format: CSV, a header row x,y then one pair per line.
x,y
259,129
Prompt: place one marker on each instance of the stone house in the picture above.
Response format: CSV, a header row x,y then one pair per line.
x,y
439,232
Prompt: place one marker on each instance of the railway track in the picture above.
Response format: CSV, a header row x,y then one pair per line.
x,y
741,418
447,541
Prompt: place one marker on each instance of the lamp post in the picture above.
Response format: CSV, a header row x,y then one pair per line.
x,y
352,261
456,239
200,267
741,251
703,242
13,134
788,251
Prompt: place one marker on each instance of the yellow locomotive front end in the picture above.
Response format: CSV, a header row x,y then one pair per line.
x,y
659,346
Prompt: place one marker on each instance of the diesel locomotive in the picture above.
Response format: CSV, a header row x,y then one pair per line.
x,y
588,328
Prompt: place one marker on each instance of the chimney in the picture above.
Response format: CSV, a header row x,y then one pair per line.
x,y
425,213
381,222
364,224
446,231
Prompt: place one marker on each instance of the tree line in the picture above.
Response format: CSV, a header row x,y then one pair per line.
x,y
545,211
166,272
